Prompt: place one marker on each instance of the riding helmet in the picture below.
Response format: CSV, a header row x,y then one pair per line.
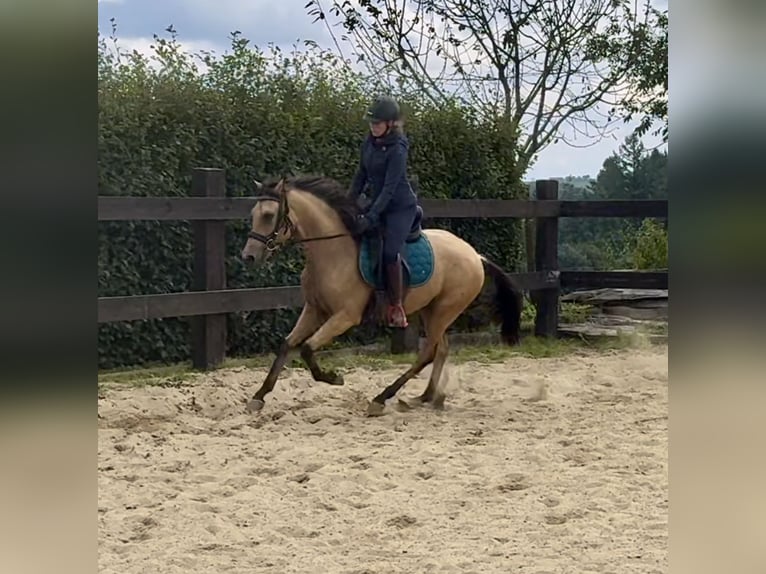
x,y
383,109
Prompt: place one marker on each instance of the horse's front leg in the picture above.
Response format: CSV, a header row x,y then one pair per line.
x,y
308,322
336,325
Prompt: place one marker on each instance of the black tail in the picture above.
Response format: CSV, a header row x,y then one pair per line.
x,y
508,302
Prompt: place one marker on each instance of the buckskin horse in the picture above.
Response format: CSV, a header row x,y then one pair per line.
x,y
443,275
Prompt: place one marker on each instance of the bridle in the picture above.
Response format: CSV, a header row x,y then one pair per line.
x,y
284,223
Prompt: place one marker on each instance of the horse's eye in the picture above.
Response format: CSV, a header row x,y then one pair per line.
x,y
268,216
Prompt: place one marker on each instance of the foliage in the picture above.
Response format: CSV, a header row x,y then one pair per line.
x,y
650,72
257,113
572,312
651,249
645,54
610,243
548,68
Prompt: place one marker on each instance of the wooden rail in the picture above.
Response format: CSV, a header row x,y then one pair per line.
x,y
213,302
210,300
228,208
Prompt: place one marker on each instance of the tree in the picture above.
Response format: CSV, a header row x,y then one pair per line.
x,y
647,72
550,68
616,243
643,174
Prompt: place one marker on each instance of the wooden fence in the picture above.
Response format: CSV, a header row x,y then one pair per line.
x,y
210,300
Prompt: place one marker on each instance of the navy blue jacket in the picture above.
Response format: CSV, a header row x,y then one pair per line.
x,y
383,167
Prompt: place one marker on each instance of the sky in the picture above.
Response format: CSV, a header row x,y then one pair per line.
x,y
206,24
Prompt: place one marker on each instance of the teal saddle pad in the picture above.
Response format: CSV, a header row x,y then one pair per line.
x,y
418,259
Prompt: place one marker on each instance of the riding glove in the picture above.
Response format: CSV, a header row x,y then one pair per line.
x,y
365,223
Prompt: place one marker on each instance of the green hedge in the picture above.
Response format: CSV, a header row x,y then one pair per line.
x,y
258,114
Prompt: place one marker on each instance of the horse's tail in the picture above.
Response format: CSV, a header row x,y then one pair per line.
x,y
508,302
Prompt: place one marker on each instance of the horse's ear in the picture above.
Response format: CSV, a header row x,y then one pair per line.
x,y
280,188
258,185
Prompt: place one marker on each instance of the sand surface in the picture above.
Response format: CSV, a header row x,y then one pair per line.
x,y
535,466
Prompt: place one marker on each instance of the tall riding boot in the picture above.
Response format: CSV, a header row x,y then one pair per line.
x,y
396,315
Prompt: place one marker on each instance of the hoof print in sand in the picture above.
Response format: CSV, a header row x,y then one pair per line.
x,y
555,519
402,521
514,482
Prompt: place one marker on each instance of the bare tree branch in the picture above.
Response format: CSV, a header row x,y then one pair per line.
x,y
546,66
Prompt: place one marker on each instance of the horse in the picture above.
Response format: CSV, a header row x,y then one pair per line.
x,y
443,276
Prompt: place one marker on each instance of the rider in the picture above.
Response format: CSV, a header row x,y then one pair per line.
x,y
383,166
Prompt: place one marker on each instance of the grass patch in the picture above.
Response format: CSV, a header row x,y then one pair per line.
x,y
168,375
657,329
531,347
570,312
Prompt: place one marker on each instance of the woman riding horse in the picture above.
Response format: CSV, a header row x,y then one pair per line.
x,y
383,167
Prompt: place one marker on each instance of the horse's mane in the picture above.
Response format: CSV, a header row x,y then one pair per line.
x,y
327,189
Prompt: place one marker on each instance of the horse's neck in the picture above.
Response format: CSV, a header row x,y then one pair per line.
x,y
315,219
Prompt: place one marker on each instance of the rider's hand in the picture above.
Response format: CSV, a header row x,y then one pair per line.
x,y
362,201
364,223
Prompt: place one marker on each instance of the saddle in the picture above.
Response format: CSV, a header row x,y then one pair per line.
x,y
416,261
416,232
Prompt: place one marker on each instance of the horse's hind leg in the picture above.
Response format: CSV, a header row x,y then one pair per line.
x,y
425,357
432,392
437,317
439,356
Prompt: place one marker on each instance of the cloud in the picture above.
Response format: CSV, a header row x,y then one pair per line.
x,y
560,160
283,23
206,25
262,21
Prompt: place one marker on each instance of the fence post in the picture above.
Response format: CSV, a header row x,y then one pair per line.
x,y
547,259
406,340
208,332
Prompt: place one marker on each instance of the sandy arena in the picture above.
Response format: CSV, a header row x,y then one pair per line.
x,y
536,466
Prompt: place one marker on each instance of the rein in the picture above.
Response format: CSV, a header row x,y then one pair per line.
x,y
284,223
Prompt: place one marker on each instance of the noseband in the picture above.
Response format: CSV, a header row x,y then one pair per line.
x,y
283,223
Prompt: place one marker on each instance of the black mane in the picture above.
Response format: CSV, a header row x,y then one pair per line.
x,y
325,188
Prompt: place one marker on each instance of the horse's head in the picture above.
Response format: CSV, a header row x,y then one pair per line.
x,y
270,224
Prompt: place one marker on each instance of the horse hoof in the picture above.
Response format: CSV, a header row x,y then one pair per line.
x,y
375,409
407,405
403,406
336,380
255,405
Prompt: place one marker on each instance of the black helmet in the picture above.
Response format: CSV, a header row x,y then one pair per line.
x,y
383,109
